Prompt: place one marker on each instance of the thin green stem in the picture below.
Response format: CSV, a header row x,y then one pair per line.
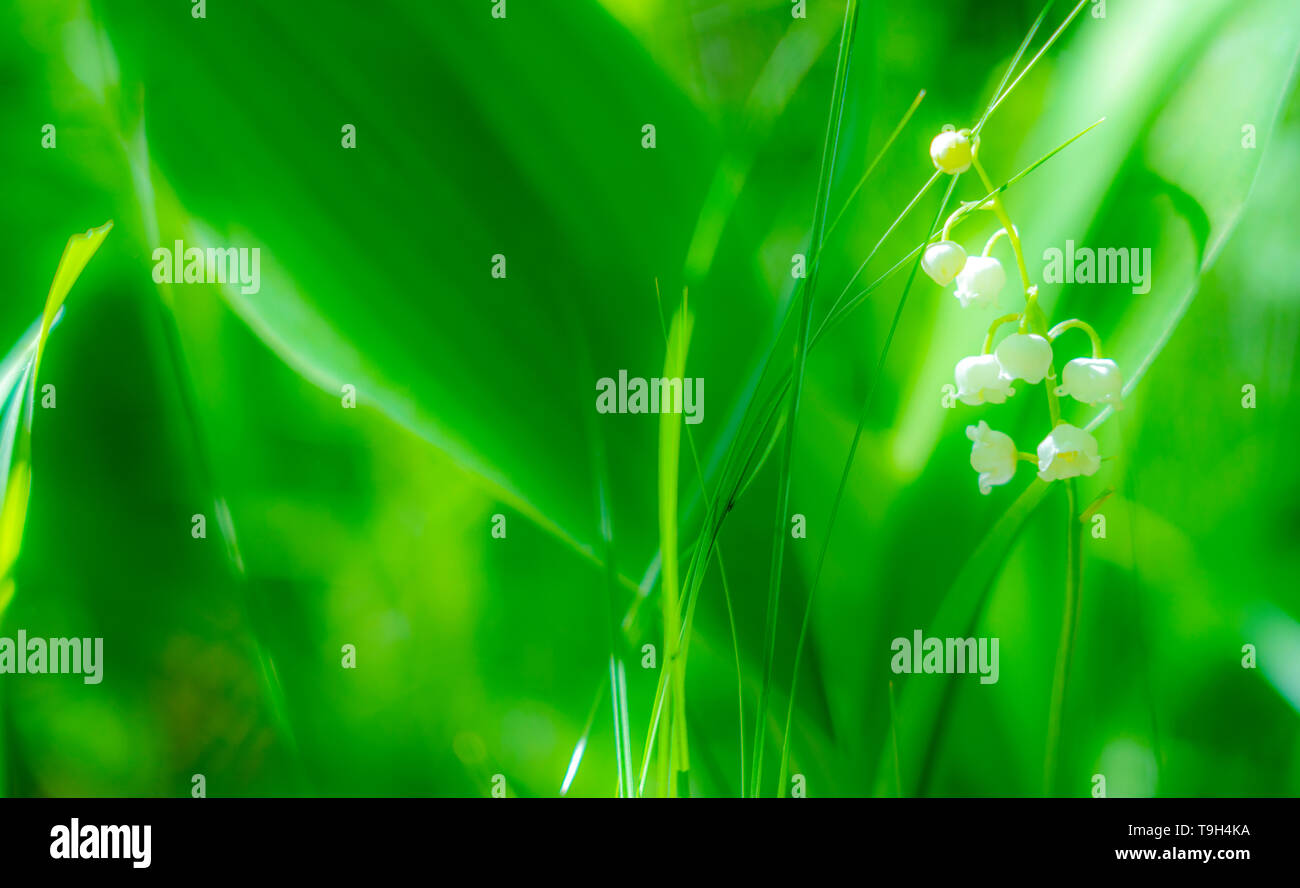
x,y
1007,224
874,163
1039,325
967,207
800,364
993,328
1015,60
722,570
1065,647
1073,324
992,241
1033,317
1038,55
839,496
890,230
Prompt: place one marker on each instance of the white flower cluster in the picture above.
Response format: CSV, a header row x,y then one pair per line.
x,y
1067,451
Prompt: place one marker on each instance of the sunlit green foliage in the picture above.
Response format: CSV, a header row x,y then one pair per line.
x,y
478,655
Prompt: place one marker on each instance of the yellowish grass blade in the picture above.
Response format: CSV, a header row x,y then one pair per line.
x,y
18,393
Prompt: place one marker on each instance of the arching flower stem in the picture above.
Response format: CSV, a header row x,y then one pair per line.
x,y
1073,323
993,328
992,241
1001,212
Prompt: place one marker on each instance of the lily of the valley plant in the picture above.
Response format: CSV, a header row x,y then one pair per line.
x,y
1026,354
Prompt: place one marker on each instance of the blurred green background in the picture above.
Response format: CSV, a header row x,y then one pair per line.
x,y
522,136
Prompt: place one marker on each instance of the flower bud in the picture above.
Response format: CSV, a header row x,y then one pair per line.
x,y
993,455
980,281
1026,356
942,261
951,152
1093,381
980,380
1068,451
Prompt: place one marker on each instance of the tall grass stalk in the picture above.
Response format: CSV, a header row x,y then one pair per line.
x,y
722,570
675,765
829,151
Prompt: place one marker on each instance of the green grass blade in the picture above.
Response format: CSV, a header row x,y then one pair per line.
x,y
1015,60
20,369
1034,61
800,363
844,481
871,168
888,231
722,571
580,748
670,424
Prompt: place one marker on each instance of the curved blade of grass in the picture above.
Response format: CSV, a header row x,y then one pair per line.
x,y
78,251
19,372
1199,223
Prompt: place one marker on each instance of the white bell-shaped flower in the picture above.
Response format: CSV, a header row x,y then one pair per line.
x,y
1026,356
951,152
1068,451
1093,381
942,261
980,380
993,455
980,281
